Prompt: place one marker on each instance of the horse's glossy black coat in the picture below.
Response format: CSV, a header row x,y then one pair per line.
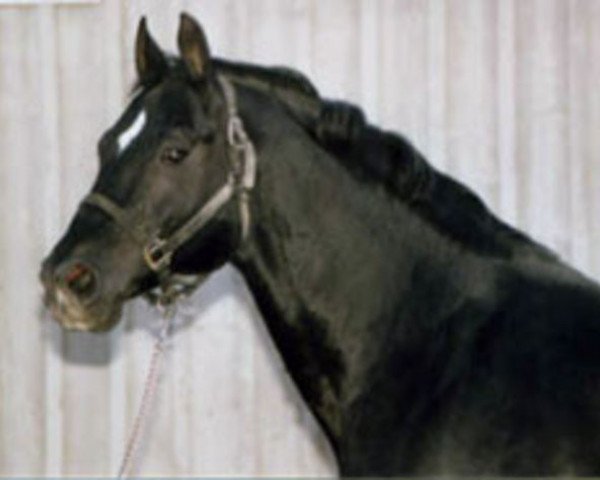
x,y
427,336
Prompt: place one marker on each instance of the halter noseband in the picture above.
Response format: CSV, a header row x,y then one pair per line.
x,y
158,251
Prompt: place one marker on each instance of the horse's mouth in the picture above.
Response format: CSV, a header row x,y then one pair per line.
x,y
72,315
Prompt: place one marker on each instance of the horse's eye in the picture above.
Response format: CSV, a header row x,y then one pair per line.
x,y
173,155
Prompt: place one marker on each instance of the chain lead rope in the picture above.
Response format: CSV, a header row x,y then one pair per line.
x,y
150,388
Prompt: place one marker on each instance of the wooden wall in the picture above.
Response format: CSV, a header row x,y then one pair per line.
x,y
504,94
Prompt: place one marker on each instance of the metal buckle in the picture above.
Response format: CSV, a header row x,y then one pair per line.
x,y
155,257
236,135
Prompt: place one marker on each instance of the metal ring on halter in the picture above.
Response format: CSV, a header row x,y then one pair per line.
x,y
155,256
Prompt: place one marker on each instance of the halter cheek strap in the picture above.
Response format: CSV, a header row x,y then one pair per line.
x,y
158,251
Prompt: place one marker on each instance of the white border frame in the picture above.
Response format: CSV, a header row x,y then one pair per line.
x,y
17,3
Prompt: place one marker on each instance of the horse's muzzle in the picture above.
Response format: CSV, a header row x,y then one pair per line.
x,y
71,289
75,277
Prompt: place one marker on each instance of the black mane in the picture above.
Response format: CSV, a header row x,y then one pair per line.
x,y
389,159
275,77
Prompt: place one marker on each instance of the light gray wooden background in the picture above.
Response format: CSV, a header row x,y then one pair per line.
x,y
503,94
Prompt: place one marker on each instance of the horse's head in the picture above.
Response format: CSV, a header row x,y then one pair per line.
x,y
167,186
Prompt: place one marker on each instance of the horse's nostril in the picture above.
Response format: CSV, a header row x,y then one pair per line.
x,y
80,279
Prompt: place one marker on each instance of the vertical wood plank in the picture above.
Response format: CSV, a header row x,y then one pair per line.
x,y
22,379
436,83
579,86
22,375
82,39
592,72
336,47
471,82
542,73
50,211
506,107
371,64
403,68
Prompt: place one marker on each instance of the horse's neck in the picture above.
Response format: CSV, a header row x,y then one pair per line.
x,y
327,263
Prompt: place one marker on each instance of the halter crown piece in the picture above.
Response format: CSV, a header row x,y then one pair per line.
x,y
158,251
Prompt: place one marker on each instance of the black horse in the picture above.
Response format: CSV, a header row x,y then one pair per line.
x,y
426,335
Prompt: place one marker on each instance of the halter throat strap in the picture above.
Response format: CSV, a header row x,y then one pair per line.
x,y
158,251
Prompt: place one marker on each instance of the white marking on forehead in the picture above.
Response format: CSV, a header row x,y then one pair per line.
x,y
129,135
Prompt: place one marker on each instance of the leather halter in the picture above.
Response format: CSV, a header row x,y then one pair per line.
x,y
158,251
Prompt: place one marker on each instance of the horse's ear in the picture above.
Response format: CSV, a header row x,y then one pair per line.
x,y
193,47
150,61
